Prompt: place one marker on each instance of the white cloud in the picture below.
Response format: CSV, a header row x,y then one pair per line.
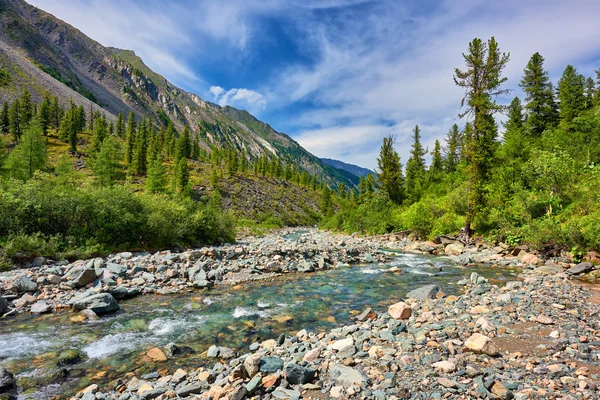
x,y
239,98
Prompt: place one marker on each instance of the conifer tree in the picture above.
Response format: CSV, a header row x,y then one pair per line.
x,y
106,163
571,93
437,164
326,203
415,167
389,173
99,134
81,119
181,176
539,96
92,117
120,126
30,155
370,181
55,113
341,190
452,150
25,108
130,139
4,120
44,114
482,81
156,182
14,118
170,140
140,150
590,93
183,147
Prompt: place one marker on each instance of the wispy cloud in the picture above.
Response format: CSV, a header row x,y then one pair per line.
x,y
239,98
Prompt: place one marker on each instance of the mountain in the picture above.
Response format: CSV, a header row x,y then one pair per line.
x,y
351,168
43,53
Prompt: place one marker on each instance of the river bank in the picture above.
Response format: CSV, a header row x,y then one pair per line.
x,y
293,251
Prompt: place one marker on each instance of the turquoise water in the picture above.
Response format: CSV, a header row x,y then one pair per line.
x,y
225,316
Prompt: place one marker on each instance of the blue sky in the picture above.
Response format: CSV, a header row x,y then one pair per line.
x,y
338,75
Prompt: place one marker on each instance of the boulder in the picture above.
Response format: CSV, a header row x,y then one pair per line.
x,y
192,388
41,307
116,269
82,276
454,249
252,365
345,376
423,293
156,354
580,268
481,344
101,303
529,258
270,364
400,311
297,375
24,284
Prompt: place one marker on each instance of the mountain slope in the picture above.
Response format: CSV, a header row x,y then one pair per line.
x,y
46,53
351,168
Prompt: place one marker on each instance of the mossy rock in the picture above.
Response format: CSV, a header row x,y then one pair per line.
x,y
70,357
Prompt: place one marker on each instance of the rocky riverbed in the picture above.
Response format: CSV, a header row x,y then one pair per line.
x,y
532,338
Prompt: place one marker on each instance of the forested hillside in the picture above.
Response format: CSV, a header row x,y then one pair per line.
x,y
41,53
532,181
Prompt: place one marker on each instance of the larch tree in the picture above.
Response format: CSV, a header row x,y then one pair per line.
x,y
452,149
437,163
26,107
30,155
482,80
120,126
100,133
539,96
415,167
106,163
130,139
156,182
389,172
571,94
14,120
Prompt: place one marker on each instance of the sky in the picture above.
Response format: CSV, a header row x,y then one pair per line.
x,y
339,75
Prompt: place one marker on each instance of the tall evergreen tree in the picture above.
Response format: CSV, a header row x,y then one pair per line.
x,y
181,177
590,92
326,202
482,81
415,167
4,120
30,155
26,108
183,148
120,126
156,182
99,134
452,149
55,113
390,171
14,120
571,94
539,96
170,140
437,164
130,139
140,150
44,114
106,163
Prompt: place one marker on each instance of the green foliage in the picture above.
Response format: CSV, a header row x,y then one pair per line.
x,y
4,77
389,173
71,216
106,164
30,155
156,182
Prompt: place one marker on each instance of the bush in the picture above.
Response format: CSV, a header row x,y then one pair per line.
x,y
48,216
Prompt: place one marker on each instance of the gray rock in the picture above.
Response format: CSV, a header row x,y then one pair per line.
x,y
38,262
101,303
117,269
203,284
346,376
88,396
24,284
306,266
270,364
154,393
254,384
581,268
192,388
423,293
213,352
82,276
41,307
511,285
285,394
297,375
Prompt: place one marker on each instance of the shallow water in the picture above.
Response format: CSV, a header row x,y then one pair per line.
x,y
223,316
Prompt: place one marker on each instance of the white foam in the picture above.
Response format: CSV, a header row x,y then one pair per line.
x,y
208,300
263,304
21,344
371,271
111,344
240,312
